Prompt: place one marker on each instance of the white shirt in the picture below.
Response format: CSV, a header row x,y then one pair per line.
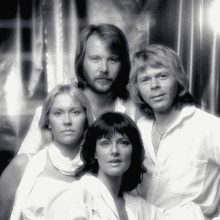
x,y
90,199
187,165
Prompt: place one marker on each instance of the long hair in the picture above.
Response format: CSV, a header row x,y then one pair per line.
x,y
157,56
117,43
73,91
106,126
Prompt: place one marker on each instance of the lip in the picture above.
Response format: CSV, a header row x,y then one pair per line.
x,y
68,131
157,96
114,161
103,78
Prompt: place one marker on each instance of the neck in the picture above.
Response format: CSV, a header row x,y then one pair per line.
x,y
69,150
99,99
100,103
113,183
164,120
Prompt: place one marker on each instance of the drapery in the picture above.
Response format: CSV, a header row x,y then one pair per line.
x,y
38,39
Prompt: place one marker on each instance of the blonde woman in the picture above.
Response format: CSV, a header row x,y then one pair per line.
x,y
29,181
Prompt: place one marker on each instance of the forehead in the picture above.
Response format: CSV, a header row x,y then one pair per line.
x,y
96,44
151,70
111,133
64,100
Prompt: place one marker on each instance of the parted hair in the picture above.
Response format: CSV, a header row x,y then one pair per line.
x,y
73,91
157,56
106,126
117,44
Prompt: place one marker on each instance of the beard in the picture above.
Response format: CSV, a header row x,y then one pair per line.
x,y
92,83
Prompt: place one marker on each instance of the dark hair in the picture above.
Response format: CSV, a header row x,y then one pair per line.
x,y
157,56
107,125
117,43
73,91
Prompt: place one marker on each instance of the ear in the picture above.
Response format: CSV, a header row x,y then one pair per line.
x,y
95,156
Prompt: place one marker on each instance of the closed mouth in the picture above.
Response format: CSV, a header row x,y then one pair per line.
x,y
103,78
157,96
67,131
115,161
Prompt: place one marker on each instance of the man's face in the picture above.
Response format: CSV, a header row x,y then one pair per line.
x,y
101,66
158,88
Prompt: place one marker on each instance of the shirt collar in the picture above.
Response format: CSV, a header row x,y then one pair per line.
x,y
119,107
186,112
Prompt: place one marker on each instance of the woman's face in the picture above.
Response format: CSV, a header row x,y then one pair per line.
x,y
113,155
66,120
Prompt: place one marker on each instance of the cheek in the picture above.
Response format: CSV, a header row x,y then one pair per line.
x,y
101,155
173,91
128,154
81,123
116,69
143,92
53,124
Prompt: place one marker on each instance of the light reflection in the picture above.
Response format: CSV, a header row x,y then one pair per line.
x,y
215,15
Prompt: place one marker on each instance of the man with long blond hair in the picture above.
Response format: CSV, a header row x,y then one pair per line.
x,y
182,142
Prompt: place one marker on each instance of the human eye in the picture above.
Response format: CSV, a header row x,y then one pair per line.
x,y
163,76
124,142
113,60
57,113
95,59
76,111
104,143
145,80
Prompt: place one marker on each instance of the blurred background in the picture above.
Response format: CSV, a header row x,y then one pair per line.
x,y
38,39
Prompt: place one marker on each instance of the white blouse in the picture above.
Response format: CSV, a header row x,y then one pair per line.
x,y
43,189
89,198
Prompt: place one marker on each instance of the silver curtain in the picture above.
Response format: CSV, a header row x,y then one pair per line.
x,y
38,39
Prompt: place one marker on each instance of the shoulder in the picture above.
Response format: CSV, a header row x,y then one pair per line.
x,y
39,109
206,115
12,175
204,120
85,184
38,112
136,199
75,195
17,167
144,122
143,207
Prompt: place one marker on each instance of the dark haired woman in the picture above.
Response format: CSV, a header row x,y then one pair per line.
x,y
113,166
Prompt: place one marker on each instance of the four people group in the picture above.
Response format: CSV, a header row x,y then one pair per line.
x,y
176,170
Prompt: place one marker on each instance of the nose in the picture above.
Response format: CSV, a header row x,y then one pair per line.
x,y
115,150
104,66
67,120
154,83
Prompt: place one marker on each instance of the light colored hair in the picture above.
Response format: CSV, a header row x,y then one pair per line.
x,y
74,92
157,56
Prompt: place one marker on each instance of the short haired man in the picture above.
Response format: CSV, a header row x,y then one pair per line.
x,y
182,142
102,68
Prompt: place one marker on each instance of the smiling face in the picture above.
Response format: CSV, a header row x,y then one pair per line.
x,y
113,155
101,66
66,120
158,88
